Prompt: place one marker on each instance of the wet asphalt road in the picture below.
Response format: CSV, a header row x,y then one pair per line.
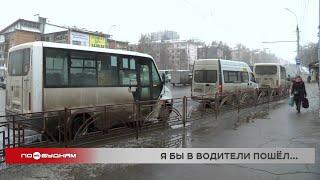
x,y
282,127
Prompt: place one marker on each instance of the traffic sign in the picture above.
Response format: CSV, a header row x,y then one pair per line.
x,y
298,61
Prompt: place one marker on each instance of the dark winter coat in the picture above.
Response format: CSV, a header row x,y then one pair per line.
x,y
298,90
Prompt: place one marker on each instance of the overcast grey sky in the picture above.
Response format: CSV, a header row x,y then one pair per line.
x,y
233,21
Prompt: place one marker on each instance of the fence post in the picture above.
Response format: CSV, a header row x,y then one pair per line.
x,y
184,110
59,128
19,135
65,129
256,98
105,128
216,104
203,107
13,131
238,104
137,112
3,140
269,96
8,129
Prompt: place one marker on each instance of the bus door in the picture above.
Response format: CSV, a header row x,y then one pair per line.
x,y
19,89
26,85
144,80
283,77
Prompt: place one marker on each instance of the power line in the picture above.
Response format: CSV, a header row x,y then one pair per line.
x,y
279,41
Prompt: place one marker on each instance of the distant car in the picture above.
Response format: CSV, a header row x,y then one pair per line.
x,y
3,84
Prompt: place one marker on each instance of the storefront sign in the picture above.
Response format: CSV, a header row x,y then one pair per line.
x,y
97,41
79,39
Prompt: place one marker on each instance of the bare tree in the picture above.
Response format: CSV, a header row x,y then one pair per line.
x,y
309,54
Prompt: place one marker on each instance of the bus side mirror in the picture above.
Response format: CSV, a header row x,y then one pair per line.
x,y
163,77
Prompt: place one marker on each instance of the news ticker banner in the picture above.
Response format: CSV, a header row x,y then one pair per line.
x,y
160,155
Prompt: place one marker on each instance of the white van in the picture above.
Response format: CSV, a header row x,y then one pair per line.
x,y
218,75
271,75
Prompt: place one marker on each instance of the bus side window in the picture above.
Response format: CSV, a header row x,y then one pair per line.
x,y
283,72
231,76
244,76
56,63
107,70
82,69
127,71
155,76
26,61
145,75
156,88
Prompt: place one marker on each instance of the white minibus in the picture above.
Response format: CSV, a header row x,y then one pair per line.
x,y
219,75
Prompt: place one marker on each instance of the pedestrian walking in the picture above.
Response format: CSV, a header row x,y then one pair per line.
x,y
298,91
309,78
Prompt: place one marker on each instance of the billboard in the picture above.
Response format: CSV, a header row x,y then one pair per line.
x,y
77,38
97,41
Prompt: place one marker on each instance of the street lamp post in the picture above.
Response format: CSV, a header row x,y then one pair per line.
x,y
252,54
109,29
298,42
319,57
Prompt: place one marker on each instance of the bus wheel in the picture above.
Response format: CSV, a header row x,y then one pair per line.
x,y
77,122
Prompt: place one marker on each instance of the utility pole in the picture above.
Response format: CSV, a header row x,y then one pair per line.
x,y
298,50
298,60
319,57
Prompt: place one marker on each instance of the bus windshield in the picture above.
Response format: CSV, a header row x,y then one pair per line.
x,y
268,70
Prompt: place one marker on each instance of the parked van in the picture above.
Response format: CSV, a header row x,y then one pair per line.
x,y
180,77
271,75
218,75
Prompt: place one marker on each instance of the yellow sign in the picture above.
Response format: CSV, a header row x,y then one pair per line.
x,y
97,41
